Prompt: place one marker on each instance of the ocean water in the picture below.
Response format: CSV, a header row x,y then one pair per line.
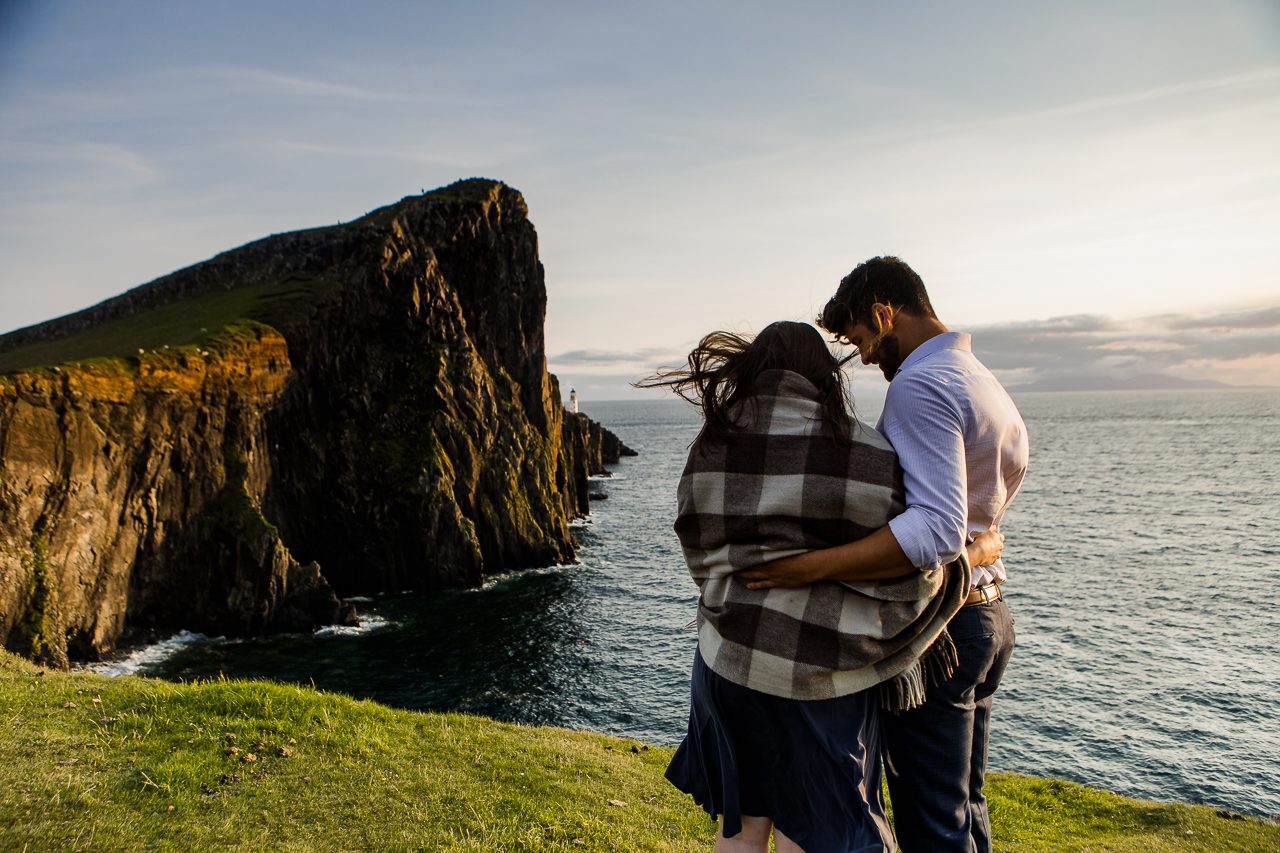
x,y
1144,562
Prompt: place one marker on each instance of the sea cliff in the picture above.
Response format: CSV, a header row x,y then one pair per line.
x,y
358,408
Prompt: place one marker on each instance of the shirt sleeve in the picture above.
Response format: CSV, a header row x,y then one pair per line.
x,y
926,428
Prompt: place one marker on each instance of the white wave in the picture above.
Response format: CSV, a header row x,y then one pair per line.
x,y
152,654
504,577
139,659
358,599
369,622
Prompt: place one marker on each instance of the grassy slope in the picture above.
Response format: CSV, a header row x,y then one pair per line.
x,y
198,321
145,767
203,321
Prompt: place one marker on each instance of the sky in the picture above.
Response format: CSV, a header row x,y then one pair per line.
x,y
1091,188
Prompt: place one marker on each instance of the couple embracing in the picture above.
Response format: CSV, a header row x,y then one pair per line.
x,y
850,616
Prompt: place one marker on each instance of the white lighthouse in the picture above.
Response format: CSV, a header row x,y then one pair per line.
x,y
573,400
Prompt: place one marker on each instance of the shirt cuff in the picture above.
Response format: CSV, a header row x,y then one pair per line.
x,y
917,544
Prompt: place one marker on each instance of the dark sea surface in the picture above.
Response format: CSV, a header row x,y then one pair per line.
x,y
1144,566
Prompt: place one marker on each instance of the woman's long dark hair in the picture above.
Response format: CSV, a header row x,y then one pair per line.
x,y
722,372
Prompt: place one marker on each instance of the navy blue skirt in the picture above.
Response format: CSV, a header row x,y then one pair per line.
x,y
812,767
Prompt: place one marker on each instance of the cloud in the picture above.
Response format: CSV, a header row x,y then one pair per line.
x,y
588,358
259,80
1240,347
1126,100
83,165
1251,318
1237,347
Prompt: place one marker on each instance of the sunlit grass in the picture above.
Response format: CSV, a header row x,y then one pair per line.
x,y
208,320
95,763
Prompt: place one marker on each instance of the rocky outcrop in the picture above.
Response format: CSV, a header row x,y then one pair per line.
x,y
589,447
367,409
611,448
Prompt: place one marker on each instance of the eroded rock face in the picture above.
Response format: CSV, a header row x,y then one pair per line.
x,y
133,492
394,429
589,446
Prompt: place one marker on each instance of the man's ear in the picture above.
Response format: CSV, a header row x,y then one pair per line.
x,y
883,315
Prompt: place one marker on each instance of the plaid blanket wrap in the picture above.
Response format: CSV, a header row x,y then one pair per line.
x,y
779,487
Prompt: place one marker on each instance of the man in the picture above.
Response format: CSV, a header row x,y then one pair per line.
x,y
963,450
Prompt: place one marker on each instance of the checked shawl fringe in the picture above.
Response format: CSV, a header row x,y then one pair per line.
x,y
778,486
908,689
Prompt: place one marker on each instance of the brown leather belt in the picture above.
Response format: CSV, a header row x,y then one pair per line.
x,y
984,594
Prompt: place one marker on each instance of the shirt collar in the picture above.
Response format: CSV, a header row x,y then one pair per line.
x,y
938,343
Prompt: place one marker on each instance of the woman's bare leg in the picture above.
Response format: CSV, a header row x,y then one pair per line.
x,y
783,844
754,837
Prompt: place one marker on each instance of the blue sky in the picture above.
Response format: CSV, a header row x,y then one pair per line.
x,y
1088,187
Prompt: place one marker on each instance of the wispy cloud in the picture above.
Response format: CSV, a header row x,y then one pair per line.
x,y
1261,76
442,154
100,155
589,358
80,167
263,81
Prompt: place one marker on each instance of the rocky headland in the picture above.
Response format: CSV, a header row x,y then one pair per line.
x,y
351,409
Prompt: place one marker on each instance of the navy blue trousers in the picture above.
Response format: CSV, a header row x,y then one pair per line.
x,y
936,755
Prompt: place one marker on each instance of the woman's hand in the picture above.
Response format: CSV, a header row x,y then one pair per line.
x,y
986,548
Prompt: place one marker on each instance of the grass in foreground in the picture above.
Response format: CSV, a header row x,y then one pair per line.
x,y
95,763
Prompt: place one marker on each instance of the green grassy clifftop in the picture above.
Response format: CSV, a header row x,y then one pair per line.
x,y
95,763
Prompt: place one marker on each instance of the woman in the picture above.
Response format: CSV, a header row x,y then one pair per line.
x,y
783,729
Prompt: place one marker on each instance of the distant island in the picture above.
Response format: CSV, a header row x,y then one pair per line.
x,y
233,447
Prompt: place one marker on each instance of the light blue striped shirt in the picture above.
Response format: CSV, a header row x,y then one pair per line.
x,y
963,449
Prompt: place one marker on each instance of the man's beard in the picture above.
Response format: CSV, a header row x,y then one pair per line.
x,y
888,355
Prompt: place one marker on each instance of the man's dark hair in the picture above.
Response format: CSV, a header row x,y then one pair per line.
x,y
887,280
